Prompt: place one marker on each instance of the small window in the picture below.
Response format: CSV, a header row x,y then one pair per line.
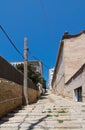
x,y
78,94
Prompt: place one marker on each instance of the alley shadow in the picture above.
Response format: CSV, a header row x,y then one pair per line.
x,y
31,127
10,114
44,96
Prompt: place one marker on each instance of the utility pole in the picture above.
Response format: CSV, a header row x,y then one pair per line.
x,y
25,89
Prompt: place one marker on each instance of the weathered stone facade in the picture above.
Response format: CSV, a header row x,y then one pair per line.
x,y
11,96
75,86
71,57
11,88
74,54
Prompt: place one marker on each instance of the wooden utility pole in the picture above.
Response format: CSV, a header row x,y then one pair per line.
x,y
25,71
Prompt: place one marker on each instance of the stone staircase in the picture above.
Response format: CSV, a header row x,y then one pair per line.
x,y
49,113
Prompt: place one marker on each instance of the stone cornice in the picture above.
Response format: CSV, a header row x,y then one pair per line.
x,y
76,74
68,36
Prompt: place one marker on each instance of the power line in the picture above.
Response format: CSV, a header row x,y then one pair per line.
x,y
11,41
18,49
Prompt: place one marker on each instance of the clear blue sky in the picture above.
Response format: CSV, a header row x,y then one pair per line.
x,y
43,22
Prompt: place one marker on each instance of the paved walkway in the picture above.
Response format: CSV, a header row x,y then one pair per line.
x,y
49,113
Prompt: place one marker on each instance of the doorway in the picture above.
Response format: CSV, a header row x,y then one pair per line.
x,y
78,94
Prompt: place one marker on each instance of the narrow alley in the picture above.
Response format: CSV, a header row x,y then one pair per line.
x,y
49,113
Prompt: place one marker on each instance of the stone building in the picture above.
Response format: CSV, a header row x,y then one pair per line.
x,y
75,86
38,65
51,71
70,58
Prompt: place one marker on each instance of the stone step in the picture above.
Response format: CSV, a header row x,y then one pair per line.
x,y
17,114
4,119
12,125
42,124
19,119
45,115
9,128
40,129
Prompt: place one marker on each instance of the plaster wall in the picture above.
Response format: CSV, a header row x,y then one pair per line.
x,y
74,55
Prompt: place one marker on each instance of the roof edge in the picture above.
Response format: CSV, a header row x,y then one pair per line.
x,y
80,70
56,65
68,36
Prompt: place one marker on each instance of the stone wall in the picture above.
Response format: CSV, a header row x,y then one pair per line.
x,y
11,88
11,96
59,75
33,95
74,55
7,71
71,57
77,80
10,73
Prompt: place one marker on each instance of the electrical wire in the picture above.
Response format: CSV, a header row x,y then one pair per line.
x,y
11,41
18,49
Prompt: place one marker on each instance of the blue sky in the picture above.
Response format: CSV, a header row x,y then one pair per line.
x,y
43,22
